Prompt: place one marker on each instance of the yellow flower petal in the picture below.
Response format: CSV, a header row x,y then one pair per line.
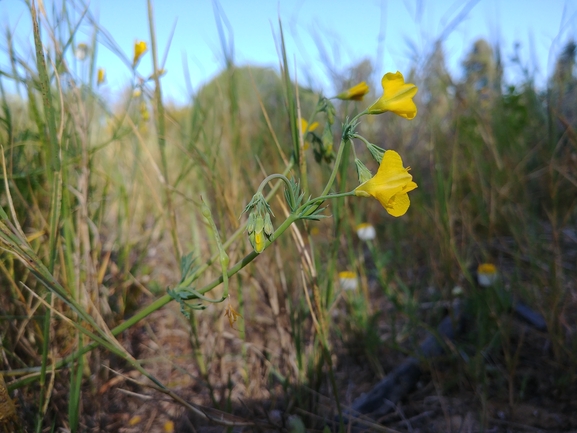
x,y
355,93
305,125
305,129
259,242
100,78
397,97
487,268
139,49
398,205
390,185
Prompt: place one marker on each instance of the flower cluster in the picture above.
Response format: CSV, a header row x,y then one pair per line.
x,y
390,185
392,182
140,48
259,226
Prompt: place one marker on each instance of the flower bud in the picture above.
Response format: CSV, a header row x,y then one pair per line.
x,y
362,171
139,49
355,93
376,152
250,223
268,227
100,76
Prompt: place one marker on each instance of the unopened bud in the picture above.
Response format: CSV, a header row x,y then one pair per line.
x,y
362,171
268,227
250,223
376,151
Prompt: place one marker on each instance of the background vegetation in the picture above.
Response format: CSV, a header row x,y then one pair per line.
x,y
102,201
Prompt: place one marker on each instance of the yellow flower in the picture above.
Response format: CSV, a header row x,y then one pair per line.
x,y
81,51
355,93
139,50
305,129
390,185
348,280
100,78
366,232
486,274
397,97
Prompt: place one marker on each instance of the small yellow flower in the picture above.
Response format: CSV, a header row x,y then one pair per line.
x,y
139,49
81,51
305,129
355,93
390,185
486,274
169,427
397,97
348,280
100,79
366,232
231,315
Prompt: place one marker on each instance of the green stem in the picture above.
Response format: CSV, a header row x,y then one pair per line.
x,y
224,260
363,139
328,197
276,176
335,168
346,139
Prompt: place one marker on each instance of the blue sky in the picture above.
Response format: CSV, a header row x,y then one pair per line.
x,y
390,33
